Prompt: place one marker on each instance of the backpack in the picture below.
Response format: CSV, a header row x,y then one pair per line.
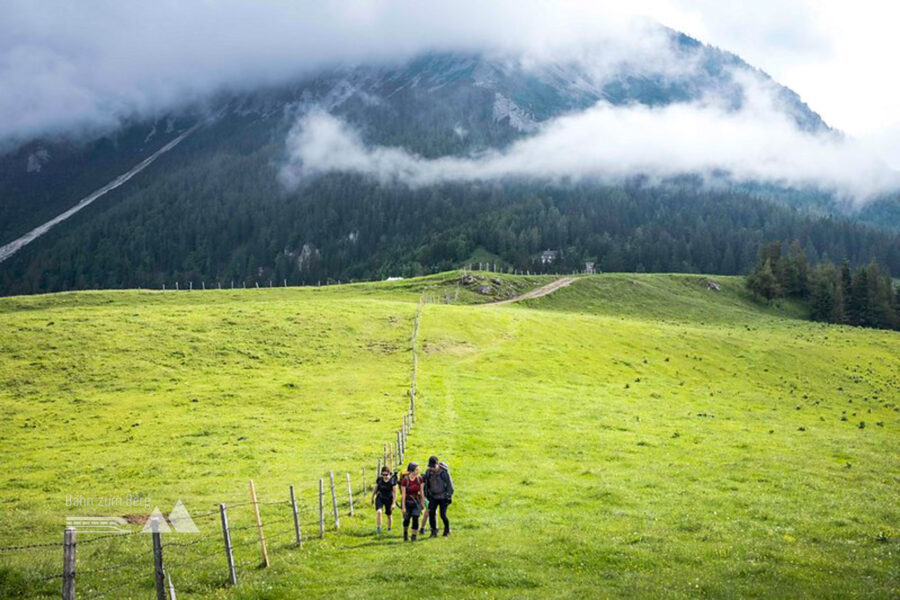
x,y
437,487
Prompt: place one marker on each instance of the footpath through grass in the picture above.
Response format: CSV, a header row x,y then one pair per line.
x,y
605,442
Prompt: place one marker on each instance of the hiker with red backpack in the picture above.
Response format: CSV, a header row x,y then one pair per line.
x,y
412,499
439,491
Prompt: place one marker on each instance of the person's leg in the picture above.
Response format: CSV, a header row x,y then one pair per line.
x,y
415,526
378,521
390,522
446,521
425,516
432,517
406,519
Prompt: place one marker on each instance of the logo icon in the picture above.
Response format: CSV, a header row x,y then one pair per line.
x,y
180,521
98,524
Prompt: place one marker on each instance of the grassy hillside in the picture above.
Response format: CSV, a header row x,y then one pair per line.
x,y
626,436
666,297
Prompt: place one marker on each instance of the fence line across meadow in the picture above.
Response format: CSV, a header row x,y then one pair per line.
x,y
243,284
160,559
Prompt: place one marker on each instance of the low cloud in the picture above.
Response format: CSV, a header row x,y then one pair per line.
x,y
85,67
757,143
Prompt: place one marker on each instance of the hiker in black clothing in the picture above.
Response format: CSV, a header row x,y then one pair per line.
x,y
383,497
439,491
412,500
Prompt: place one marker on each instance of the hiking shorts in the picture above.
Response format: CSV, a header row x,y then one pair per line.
x,y
384,503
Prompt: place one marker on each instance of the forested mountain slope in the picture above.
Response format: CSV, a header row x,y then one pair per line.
x,y
215,208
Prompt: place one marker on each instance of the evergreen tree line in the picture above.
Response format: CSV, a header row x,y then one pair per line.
x,y
214,211
864,296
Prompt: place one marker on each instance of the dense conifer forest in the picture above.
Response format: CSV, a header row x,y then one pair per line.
x,y
864,296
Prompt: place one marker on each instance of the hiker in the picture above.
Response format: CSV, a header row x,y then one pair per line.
x,y
412,500
439,492
383,497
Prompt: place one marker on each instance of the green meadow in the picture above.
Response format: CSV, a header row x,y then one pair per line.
x,y
626,436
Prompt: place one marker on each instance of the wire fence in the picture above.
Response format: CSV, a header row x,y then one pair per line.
x,y
239,533
121,565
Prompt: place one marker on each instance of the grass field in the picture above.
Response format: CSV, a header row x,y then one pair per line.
x,y
626,436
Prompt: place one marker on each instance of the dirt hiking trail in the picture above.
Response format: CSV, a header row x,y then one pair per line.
x,y
537,292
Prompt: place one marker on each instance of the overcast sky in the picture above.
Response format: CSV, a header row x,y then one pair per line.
x,y
71,66
839,55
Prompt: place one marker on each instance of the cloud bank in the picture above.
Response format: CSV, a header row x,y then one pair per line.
x,y
88,65
84,68
756,144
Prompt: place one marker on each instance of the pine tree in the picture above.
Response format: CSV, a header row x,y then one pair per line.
x,y
858,307
846,280
763,282
796,272
826,297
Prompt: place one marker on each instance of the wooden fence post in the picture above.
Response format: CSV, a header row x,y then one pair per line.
x,y
259,527
337,518
399,449
229,549
68,582
321,509
158,573
296,517
350,494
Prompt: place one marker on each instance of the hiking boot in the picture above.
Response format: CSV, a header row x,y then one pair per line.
x,y
406,534
413,537
446,533
433,533
378,531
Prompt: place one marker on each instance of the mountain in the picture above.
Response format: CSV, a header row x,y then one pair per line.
x,y
214,208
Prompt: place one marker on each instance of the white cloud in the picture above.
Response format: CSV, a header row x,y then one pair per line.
x,y
86,66
839,56
757,143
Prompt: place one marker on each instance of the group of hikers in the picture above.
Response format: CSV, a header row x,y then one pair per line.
x,y
431,492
